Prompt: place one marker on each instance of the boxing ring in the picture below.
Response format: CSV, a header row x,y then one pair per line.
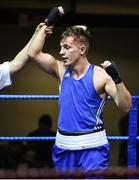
x,y
132,126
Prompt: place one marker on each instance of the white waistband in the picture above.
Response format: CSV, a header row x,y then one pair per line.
x,y
81,141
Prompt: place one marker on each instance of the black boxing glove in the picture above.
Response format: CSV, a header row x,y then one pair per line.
x,y
112,71
53,15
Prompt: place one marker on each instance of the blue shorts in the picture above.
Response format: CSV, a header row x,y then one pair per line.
x,y
83,160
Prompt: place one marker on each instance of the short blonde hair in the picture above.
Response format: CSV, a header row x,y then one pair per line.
x,y
80,32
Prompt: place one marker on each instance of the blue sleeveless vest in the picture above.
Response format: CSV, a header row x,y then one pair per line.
x,y
80,106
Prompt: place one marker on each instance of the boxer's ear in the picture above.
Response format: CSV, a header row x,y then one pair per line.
x,y
82,50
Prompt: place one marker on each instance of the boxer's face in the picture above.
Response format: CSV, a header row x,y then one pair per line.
x,y
70,50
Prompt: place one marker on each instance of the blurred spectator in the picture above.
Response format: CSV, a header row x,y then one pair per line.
x,y
10,154
42,150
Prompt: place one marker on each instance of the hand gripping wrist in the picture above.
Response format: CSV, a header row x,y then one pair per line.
x,y
112,71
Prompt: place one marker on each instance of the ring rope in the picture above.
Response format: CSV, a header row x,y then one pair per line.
x,y
44,138
48,97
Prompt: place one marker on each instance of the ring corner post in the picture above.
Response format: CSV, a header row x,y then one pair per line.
x,y
132,133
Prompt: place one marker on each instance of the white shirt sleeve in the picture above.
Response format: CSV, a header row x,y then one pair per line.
x,y
5,79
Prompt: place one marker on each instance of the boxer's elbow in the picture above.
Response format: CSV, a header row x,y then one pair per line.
x,y
128,102
126,106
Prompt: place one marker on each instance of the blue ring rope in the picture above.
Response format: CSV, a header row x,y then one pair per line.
x,y
44,97
49,138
